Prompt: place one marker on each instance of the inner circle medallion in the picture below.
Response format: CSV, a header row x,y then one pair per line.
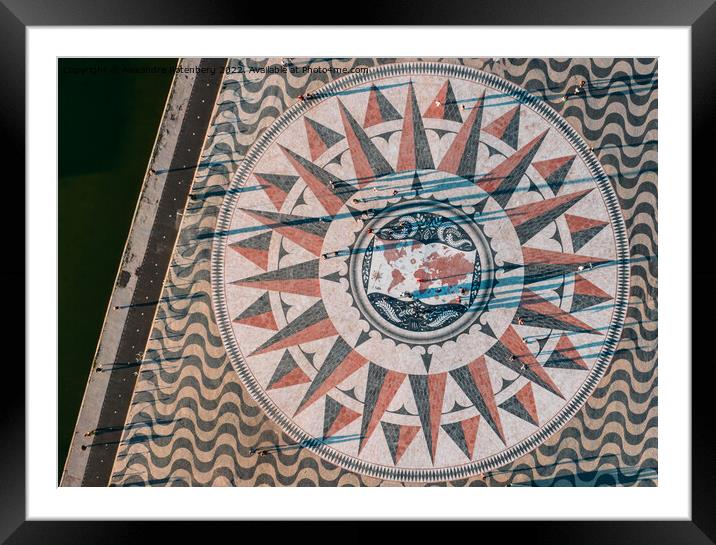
x,y
420,272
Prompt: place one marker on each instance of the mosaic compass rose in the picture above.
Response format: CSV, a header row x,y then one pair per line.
x,y
420,273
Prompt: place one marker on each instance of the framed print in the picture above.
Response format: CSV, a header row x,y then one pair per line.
x,y
399,281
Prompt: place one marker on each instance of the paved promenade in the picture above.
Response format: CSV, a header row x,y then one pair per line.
x,y
316,348
147,254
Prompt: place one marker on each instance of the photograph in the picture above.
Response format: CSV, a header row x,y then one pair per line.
x,y
358,272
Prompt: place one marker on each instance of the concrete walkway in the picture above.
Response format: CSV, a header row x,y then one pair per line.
x,y
140,276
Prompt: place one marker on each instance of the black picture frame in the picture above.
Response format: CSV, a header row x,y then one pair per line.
x,y
699,15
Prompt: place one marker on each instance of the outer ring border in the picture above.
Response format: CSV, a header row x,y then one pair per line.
x,y
526,445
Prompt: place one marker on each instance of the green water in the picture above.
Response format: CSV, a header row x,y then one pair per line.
x,y
109,112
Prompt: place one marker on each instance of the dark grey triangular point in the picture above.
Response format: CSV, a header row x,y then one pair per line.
x,y
332,277
355,213
512,179
480,207
556,179
560,289
281,251
427,360
580,302
283,181
440,132
337,159
362,337
377,163
511,134
351,392
582,237
300,200
507,266
505,383
533,186
557,360
385,135
256,242
329,136
421,395
451,111
285,366
285,306
417,186
423,155
494,151
513,406
487,330
392,435
387,110
309,356
457,407
404,411
333,360
541,342
557,237
262,305
330,413
533,226
455,432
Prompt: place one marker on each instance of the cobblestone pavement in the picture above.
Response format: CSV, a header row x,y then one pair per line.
x,y
420,274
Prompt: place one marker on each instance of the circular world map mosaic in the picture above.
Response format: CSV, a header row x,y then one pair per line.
x,y
420,272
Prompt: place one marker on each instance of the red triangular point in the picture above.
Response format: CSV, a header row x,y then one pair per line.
x,y
345,417
527,399
292,378
498,127
546,168
582,286
264,321
577,224
469,431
